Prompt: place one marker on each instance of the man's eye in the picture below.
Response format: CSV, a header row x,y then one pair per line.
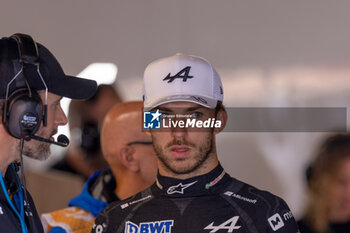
x,y
196,114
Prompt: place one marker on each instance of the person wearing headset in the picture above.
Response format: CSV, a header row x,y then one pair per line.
x,y
133,167
32,84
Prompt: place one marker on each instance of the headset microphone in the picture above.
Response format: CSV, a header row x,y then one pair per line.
x,y
62,140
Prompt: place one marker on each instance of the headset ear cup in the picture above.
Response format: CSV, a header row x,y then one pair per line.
x,y
24,114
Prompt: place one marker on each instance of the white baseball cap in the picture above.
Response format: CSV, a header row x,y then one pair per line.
x,y
181,78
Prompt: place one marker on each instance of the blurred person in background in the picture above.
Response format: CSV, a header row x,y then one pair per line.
x,y
328,208
133,167
84,155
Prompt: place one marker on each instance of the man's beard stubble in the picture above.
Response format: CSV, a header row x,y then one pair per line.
x,y
36,150
200,158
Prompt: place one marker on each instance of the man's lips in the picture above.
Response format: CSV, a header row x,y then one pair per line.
x,y
180,151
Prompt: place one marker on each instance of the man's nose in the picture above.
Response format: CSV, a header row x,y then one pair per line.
x,y
61,118
178,131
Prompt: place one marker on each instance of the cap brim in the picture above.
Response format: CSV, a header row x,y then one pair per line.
x,y
75,88
203,101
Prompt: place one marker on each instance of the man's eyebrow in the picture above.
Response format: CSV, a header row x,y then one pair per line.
x,y
164,109
193,108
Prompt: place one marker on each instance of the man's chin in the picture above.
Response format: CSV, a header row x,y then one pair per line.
x,y
182,167
40,157
37,150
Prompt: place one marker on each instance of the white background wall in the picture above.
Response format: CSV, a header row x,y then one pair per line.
x,y
269,53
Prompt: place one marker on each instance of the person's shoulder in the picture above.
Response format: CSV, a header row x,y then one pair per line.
x,y
117,211
128,204
68,219
261,205
243,192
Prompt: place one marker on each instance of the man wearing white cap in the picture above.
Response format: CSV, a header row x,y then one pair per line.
x,y
192,193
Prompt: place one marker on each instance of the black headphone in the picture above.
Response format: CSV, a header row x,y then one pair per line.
x,y
23,110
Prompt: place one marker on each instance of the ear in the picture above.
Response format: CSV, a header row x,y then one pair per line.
x,y
221,116
128,159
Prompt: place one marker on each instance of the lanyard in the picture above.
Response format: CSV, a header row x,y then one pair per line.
x,y
19,201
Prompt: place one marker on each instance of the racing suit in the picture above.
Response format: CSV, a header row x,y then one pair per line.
x,y
79,217
210,203
17,210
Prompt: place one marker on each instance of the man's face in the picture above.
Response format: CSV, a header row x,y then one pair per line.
x,y
339,193
55,118
180,150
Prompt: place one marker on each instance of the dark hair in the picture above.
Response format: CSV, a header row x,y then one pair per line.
x,y
333,149
219,107
329,156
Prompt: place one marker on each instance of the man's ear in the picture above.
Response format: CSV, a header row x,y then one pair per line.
x,y
128,159
221,116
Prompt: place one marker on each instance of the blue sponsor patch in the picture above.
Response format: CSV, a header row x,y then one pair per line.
x,y
149,227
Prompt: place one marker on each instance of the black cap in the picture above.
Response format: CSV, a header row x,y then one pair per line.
x,y
56,80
